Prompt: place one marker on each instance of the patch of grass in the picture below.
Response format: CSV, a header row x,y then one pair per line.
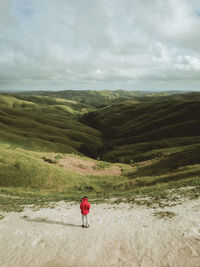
x,y
172,162
8,204
15,199
57,157
28,169
156,194
101,165
49,160
164,214
1,216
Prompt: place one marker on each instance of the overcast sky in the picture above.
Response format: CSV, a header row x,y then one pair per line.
x,y
99,44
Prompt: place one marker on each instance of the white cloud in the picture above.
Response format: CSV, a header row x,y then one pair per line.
x,y
95,44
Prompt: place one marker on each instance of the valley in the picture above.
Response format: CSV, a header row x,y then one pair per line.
x,y
152,140
135,156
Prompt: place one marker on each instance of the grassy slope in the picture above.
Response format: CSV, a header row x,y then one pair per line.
x,y
44,124
135,132
30,170
94,98
167,132
102,98
69,105
29,176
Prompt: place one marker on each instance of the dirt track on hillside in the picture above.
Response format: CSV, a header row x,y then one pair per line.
x,y
119,235
88,166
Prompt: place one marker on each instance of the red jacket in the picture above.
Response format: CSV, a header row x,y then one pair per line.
x,y
85,206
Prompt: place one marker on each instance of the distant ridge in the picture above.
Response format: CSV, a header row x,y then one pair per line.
x,y
102,98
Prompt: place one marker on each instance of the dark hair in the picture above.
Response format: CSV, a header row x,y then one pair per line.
x,y
85,197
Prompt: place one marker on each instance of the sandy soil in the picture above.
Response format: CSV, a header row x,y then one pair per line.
x,y
119,235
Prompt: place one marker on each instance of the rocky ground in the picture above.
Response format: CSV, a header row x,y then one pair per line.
x,y
119,235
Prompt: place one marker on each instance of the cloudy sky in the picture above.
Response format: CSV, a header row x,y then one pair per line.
x,y
99,44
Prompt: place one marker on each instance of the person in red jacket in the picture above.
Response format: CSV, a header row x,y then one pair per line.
x,y
85,208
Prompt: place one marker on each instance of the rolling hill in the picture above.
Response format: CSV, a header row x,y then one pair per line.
x,y
103,98
135,132
45,124
95,98
152,141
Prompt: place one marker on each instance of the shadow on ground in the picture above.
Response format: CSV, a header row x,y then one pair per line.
x,y
43,220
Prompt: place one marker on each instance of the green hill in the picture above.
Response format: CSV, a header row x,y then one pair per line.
x,y
95,98
102,98
71,106
37,177
44,124
154,138
134,132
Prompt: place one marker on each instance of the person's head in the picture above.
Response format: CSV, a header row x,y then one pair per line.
x,y
85,197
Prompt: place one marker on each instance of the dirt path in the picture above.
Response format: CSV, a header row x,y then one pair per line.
x,y
119,235
88,166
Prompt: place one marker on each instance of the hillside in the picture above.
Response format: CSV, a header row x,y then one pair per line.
x,y
136,132
103,98
45,124
53,176
95,98
43,140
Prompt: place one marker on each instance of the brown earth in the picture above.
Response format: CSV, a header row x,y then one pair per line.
x,y
88,166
